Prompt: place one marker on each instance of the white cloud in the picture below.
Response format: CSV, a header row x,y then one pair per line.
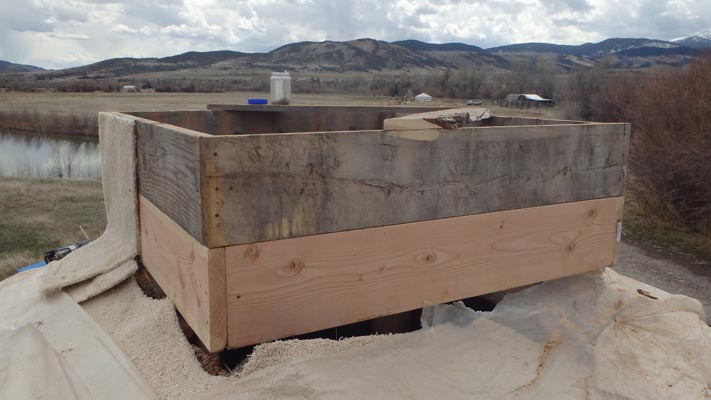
x,y
60,33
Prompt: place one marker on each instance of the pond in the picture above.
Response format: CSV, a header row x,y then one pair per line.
x,y
35,155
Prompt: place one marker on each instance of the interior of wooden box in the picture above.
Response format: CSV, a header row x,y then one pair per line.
x,y
324,119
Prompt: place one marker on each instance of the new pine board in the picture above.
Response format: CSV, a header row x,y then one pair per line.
x,y
190,274
294,286
275,186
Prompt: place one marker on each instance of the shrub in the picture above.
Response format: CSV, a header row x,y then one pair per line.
x,y
670,156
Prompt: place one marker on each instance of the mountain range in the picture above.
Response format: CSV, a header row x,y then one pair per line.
x,y
369,55
701,40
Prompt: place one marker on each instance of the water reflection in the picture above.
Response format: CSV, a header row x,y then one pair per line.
x,y
40,156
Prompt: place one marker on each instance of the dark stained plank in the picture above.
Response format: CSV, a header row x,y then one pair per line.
x,y
200,120
276,186
169,173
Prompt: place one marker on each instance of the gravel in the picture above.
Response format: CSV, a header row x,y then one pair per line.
x,y
659,270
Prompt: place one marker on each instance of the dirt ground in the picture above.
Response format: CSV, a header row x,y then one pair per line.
x,y
661,270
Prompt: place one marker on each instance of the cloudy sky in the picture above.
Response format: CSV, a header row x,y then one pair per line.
x,y
63,33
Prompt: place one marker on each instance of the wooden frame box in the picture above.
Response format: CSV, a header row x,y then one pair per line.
x,y
263,222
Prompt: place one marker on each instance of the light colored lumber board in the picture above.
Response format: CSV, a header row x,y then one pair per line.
x,y
169,172
190,274
294,286
275,186
447,119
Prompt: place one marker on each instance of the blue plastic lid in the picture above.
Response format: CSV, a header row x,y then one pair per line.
x,y
257,101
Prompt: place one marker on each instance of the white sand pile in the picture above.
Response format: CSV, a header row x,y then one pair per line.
x,y
147,331
284,351
594,336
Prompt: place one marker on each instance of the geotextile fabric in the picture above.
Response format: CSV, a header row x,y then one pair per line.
x,y
108,260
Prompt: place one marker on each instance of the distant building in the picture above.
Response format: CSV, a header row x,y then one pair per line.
x,y
129,88
525,100
533,98
423,98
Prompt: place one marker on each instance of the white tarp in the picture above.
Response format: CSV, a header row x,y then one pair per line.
x,y
51,349
593,336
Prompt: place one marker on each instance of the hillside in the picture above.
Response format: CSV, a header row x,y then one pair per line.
x,y
7,67
610,53
361,55
370,55
700,40
328,65
354,55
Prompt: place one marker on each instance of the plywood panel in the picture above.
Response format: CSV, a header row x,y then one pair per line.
x,y
267,187
190,274
288,287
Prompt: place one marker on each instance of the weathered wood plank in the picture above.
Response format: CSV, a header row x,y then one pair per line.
x,y
253,119
251,122
190,274
294,286
323,108
200,120
169,172
268,187
497,120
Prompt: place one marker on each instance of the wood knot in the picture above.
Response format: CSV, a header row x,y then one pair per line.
x,y
252,252
428,258
292,268
592,213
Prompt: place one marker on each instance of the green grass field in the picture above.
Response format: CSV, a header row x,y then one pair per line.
x,y
37,215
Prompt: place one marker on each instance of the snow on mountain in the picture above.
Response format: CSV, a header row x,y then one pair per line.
x,y
700,40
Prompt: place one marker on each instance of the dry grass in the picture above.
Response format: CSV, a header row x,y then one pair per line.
x,y
673,238
75,113
671,145
41,214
